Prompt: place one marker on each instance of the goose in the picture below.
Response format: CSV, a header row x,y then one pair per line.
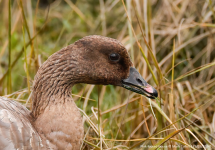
x,y
55,121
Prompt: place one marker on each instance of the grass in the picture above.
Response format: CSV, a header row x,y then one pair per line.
x,y
170,42
9,50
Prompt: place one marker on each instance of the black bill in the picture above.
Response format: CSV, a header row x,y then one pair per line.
x,y
136,83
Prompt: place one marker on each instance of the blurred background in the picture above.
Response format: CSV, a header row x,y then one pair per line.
x,y
171,43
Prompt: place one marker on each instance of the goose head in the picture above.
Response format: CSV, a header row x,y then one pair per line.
x,y
104,60
92,60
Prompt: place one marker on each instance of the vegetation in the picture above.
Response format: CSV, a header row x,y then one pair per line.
x,y
171,43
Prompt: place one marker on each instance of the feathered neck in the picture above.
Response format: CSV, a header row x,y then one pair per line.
x,y
53,81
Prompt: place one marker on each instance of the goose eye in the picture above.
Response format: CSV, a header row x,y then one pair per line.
x,y
114,57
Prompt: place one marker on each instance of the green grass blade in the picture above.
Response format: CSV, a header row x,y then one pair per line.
x,y
9,86
26,62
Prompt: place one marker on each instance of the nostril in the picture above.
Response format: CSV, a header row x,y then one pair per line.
x,y
139,81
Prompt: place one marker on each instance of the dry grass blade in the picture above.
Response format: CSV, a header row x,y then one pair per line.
x,y
172,134
196,139
91,144
195,71
157,145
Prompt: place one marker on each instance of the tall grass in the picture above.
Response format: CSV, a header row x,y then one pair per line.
x,y
170,42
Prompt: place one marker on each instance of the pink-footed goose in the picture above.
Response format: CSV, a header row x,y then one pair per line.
x,y
55,121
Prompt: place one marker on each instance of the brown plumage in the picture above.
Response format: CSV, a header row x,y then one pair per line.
x,y
55,121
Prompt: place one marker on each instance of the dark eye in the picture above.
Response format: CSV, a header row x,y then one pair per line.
x,y
114,57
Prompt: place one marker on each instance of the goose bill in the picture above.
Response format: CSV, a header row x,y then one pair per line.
x,y
136,83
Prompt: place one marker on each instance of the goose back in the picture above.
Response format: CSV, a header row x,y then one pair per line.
x,y
16,130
